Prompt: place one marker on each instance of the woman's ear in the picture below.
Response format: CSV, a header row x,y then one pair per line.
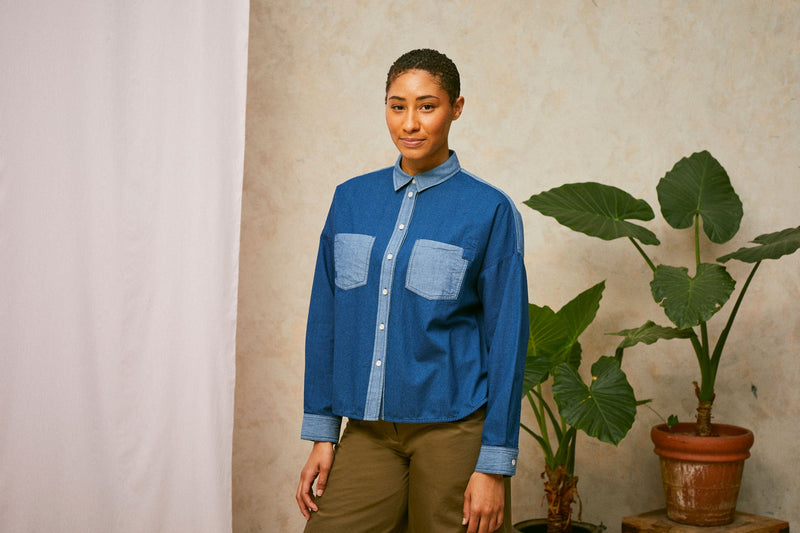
x,y
458,107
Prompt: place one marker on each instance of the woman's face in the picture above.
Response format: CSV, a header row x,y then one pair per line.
x,y
418,114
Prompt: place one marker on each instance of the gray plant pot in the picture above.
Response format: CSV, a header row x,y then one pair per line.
x,y
539,525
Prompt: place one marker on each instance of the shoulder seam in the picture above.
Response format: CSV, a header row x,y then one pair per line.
x,y
518,230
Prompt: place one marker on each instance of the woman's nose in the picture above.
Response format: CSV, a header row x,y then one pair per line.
x,y
410,123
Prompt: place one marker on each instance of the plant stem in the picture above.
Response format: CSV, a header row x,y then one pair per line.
x,y
570,465
541,418
717,355
706,393
643,254
703,425
706,373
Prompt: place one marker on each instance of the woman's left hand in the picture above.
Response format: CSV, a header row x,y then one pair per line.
x,y
484,502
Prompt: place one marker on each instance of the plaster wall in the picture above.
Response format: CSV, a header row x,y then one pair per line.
x,y
555,92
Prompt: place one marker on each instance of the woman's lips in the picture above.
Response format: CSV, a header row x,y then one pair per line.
x,y
410,142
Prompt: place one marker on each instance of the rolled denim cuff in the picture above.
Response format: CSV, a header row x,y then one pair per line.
x,y
497,460
321,428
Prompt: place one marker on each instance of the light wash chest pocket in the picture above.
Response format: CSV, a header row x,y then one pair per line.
x,y
351,253
436,270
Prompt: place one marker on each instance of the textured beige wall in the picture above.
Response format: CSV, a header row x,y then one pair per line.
x,y
555,92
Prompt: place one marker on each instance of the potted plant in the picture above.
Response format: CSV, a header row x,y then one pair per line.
x,y
604,409
696,192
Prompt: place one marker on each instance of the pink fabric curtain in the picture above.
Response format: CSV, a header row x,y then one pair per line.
x,y
121,157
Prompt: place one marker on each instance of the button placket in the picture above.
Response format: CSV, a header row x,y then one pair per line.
x,y
373,409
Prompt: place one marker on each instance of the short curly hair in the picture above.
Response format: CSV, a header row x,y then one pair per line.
x,y
435,63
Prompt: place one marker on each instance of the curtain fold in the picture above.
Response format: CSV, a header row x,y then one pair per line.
x,y
121,158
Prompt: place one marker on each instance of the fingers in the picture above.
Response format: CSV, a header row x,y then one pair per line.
x,y
317,467
478,519
484,524
484,503
302,503
465,510
322,481
304,496
305,500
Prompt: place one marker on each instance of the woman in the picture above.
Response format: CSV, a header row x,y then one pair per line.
x,y
417,333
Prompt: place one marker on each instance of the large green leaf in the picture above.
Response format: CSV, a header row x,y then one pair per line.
x,y
578,313
688,301
546,334
698,185
770,246
537,370
553,336
575,355
597,210
649,333
605,409
546,338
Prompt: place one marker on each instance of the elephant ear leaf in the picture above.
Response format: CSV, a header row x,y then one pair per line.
x,y
537,369
597,210
546,334
581,311
546,338
553,336
606,409
770,246
689,301
698,185
650,332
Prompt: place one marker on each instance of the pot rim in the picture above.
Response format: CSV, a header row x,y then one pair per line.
x,y
733,443
588,526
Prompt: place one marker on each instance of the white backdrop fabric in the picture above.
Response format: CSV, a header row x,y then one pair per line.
x,y
121,159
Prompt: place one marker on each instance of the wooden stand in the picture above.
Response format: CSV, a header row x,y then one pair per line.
x,y
657,522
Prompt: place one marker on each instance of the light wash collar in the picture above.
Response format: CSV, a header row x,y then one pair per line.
x,y
428,179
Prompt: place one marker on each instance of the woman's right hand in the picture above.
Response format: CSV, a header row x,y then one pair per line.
x,y
318,466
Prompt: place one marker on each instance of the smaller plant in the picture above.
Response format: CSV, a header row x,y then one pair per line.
x,y
696,190
605,408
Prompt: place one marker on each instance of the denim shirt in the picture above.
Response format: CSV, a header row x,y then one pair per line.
x,y
419,308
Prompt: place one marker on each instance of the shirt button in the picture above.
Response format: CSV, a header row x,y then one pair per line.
x,y
385,291
513,462
410,194
389,256
382,327
377,363
402,226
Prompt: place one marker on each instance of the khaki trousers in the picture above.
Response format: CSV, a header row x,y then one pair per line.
x,y
402,478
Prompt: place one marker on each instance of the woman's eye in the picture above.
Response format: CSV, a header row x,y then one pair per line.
x,y
427,107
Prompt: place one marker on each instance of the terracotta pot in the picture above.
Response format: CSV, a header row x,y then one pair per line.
x,y
701,475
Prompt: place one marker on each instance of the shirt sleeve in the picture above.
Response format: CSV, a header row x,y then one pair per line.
x,y
502,285
319,422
